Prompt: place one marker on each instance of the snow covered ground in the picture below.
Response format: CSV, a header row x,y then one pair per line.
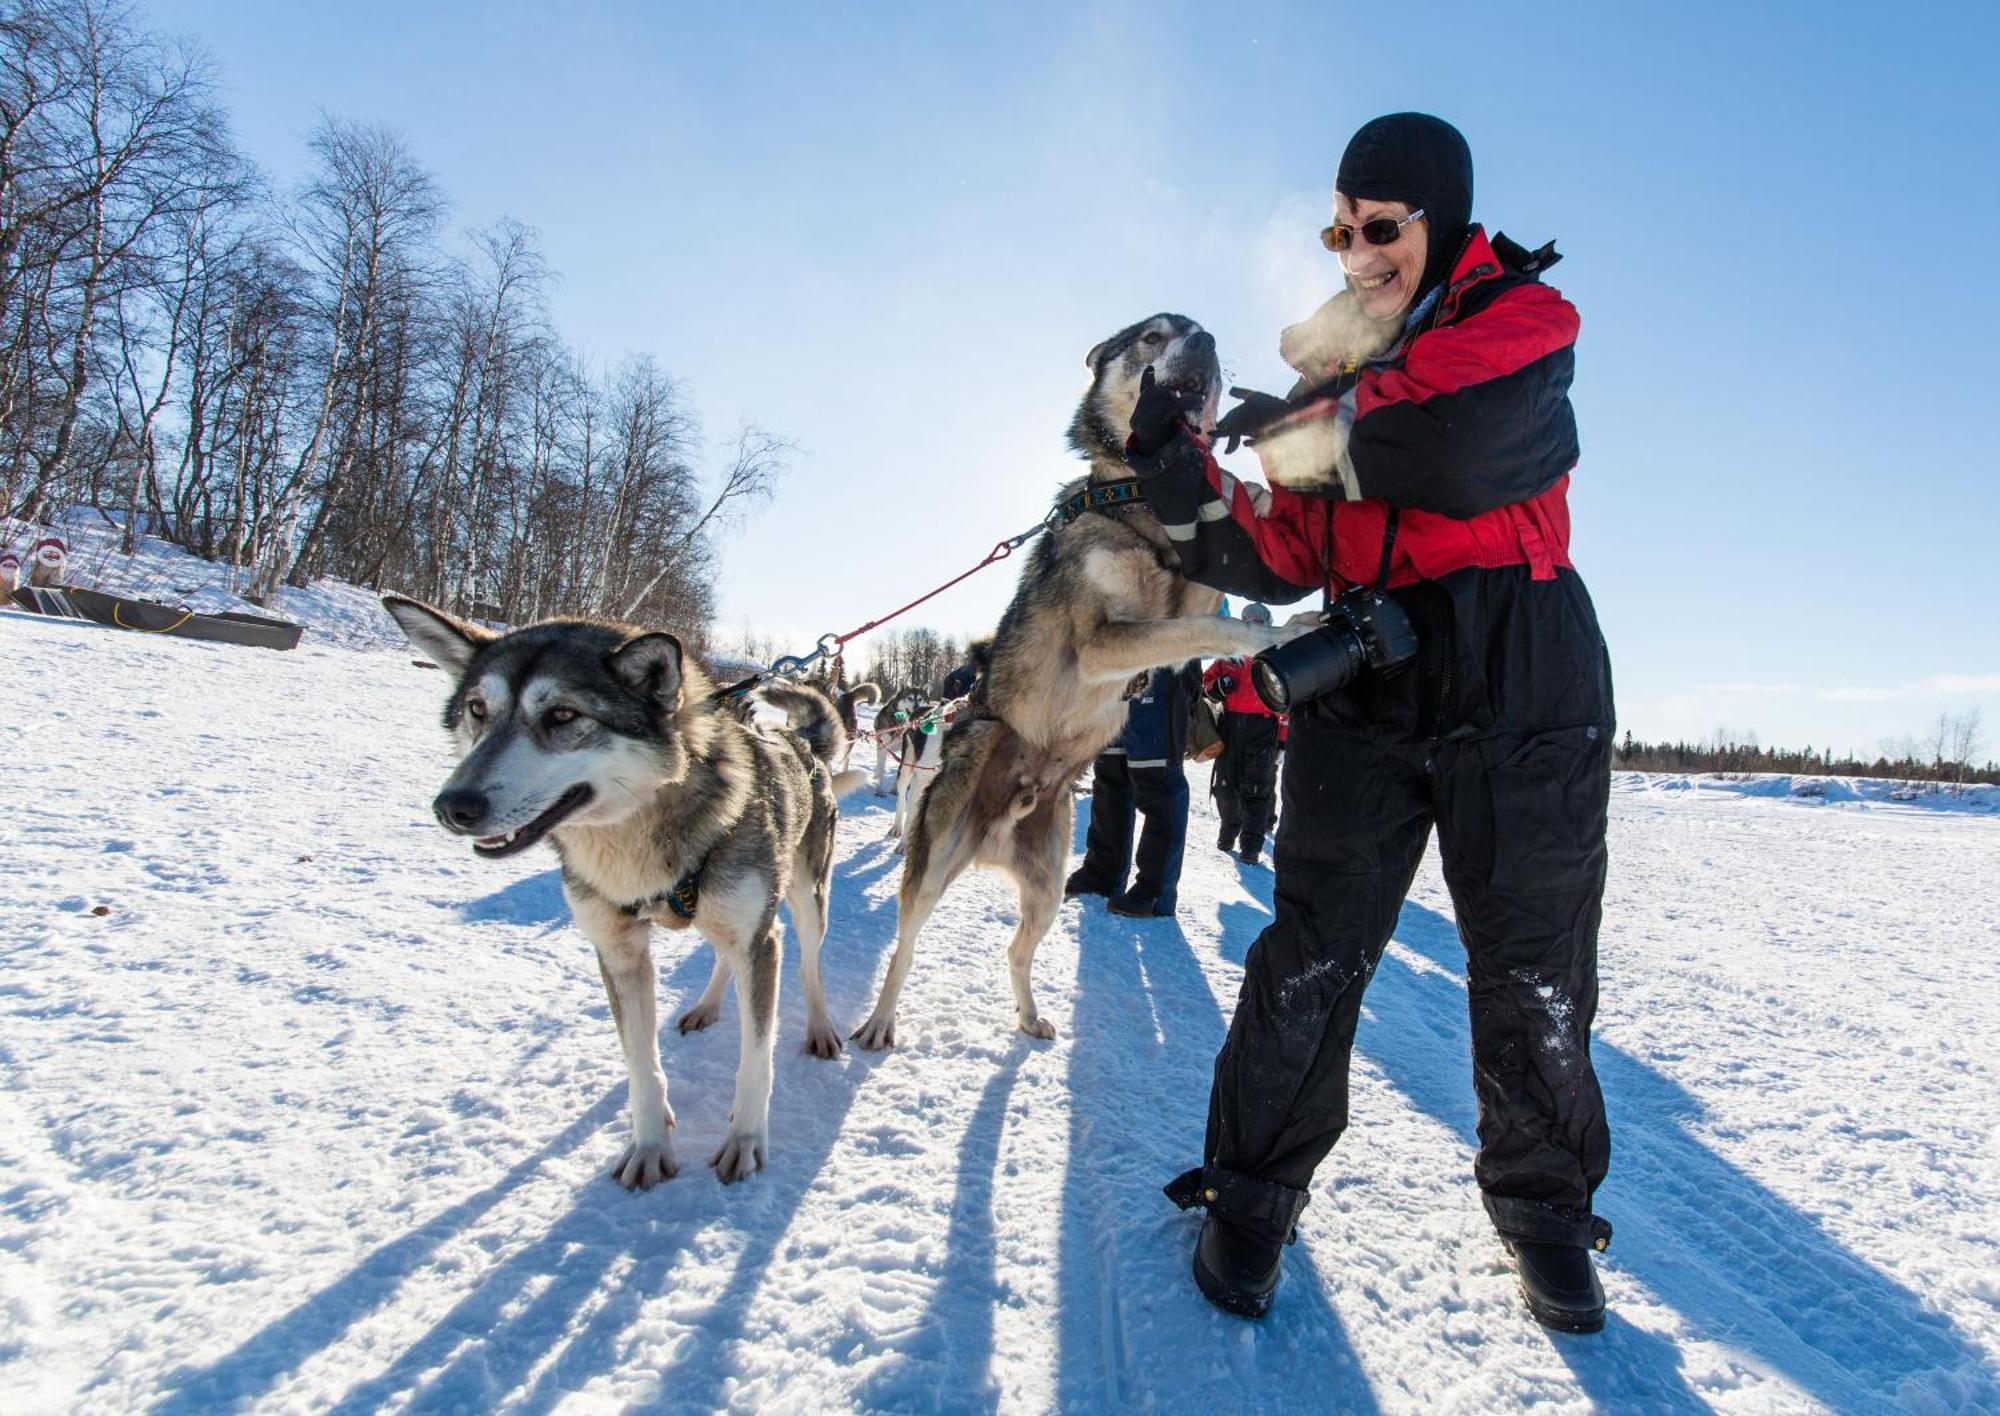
x,y
301,1106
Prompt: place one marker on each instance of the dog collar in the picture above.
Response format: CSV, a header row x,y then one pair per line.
x,y
1102,496
681,899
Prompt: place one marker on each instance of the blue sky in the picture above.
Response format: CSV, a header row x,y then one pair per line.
x,y
890,233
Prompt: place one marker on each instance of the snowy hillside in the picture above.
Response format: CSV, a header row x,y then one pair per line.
x,y
302,1106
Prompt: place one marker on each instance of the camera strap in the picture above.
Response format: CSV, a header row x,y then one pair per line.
x,y
1389,523
1388,546
1326,580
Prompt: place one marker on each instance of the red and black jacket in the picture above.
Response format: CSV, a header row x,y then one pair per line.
x,y
1466,430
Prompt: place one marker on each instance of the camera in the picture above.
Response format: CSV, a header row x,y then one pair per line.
x,y
1364,629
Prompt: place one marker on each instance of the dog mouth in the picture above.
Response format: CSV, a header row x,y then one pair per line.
x,y
521,837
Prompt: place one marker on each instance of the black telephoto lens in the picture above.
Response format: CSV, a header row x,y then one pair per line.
x,y
1364,629
1308,666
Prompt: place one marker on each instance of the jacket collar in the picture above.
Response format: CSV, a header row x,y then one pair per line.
x,y
1476,264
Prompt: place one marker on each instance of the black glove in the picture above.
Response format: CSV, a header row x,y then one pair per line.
x,y
1160,413
1255,413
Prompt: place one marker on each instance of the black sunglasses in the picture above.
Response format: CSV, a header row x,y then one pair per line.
x,y
1382,231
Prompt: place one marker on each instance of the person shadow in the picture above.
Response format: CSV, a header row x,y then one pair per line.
x,y
611,1252
1145,1028
1744,1267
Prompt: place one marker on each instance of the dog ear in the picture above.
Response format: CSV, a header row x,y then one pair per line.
x,y
445,640
650,666
1090,359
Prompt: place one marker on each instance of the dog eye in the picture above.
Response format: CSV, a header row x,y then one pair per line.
x,y
1151,336
477,708
559,716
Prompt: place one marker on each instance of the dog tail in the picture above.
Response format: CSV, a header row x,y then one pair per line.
x,y
810,714
860,693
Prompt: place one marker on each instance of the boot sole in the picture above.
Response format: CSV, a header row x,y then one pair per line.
x,y
1243,1305
1578,1320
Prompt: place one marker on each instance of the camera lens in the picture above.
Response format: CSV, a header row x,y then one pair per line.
x,y
1316,663
1270,687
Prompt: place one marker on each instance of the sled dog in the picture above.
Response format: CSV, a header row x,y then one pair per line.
x,y
909,747
666,809
1100,602
846,702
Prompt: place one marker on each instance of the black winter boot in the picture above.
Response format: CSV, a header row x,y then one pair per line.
x,y
1560,1283
1082,883
1551,1248
1237,1257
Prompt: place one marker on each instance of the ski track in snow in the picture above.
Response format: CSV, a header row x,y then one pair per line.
x,y
317,1114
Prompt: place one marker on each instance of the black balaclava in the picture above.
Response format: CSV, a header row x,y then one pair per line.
x,y
1415,158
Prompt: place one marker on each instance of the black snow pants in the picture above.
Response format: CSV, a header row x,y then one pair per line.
x,y
1245,780
1158,797
1500,737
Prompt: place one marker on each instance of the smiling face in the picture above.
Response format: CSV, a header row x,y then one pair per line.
x,y
1383,278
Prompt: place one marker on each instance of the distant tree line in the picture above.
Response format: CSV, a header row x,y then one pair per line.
x,y
1945,752
893,660
310,383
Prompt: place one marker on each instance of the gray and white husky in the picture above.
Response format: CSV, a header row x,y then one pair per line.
x,y
1101,600
666,808
912,747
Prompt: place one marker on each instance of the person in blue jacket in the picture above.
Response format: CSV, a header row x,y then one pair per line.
x,y
1142,774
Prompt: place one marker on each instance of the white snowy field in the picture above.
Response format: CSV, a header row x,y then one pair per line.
x,y
301,1106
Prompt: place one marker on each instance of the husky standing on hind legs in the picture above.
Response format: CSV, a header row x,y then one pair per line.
x,y
665,809
1101,601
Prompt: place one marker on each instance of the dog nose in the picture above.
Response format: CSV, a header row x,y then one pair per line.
x,y
461,809
1200,342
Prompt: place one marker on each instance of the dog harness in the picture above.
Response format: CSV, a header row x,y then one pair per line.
x,y
681,898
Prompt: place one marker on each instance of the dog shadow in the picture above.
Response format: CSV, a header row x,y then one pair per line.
x,y
1742,1265
532,900
604,1259
955,1334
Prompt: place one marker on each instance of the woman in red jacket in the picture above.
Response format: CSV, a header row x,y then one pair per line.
x,y
1438,470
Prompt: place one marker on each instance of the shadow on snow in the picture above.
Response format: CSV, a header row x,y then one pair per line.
x,y
1741,1265
601,1262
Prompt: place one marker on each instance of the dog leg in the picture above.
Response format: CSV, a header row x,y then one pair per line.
x,y
742,1152
1124,648
906,778
808,901
708,1007
625,958
1041,850
927,874
882,760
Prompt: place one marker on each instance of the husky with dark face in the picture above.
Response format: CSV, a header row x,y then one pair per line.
x,y
1100,602
666,809
908,751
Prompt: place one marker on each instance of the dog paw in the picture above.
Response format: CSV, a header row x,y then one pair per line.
x,y
1303,623
646,1164
741,1156
822,1040
1039,1027
876,1034
700,1016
